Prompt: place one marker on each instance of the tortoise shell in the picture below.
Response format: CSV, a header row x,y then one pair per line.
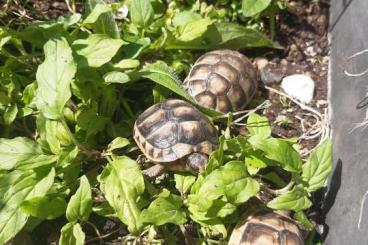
x,y
172,129
223,80
266,228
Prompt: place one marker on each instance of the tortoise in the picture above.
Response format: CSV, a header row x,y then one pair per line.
x,y
267,228
175,136
223,80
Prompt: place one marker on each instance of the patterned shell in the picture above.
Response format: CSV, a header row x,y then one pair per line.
x,y
172,129
224,80
266,228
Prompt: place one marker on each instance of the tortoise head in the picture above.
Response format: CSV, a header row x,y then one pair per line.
x,y
197,161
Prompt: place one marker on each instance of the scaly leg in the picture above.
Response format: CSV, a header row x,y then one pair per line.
x,y
154,171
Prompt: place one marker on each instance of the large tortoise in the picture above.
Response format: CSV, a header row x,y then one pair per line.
x,y
223,80
176,136
266,228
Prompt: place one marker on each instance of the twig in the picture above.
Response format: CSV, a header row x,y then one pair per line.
x,y
103,236
303,106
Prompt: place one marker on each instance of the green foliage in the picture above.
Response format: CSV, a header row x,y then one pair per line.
x,y
165,209
71,90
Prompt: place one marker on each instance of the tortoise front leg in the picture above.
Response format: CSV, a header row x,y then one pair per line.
x,y
154,171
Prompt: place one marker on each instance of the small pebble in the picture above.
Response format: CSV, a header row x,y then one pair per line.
x,y
298,86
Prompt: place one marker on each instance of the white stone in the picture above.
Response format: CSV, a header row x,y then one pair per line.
x,y
298,86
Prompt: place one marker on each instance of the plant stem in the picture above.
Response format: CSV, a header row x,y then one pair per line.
x,y
272,20
280,191
89,153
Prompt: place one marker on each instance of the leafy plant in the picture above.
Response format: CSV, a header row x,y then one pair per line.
x,y
70,92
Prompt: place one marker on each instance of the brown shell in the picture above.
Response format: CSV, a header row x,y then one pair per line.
x,y
172,129
224,80
266,228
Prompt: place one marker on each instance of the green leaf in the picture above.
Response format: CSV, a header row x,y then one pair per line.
x,y
165,209
253,7
216,158
127,64
161,73
193,29
54,76
16,187
80,204
122,183
96,13
18,151
302,218
47,207
91,121
72,234
97,49
296,200
118,143
105,23
224,35
10,114
230,181
259,125
116,77
318,166
183,182
183,17
279,151
141,13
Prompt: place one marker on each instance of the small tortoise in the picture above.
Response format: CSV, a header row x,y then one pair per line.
x,y
267,228
223,80
175,136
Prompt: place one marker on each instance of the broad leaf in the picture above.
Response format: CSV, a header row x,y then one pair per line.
x,y
54,76
20,151
192,29
162,74
122,183
296,200
47,207
105,23
96,12
72,233
116,77
167,208
183,182
230,181
278,150
97,49
91,121
141,13
318,166
10,114
118,143
127,64
80,204
224,35
259,125
16,187
253,7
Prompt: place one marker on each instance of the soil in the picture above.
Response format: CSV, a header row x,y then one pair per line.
x,y
301,30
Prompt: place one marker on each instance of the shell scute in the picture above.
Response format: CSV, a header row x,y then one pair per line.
x,y
215,74
266,228
182,130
